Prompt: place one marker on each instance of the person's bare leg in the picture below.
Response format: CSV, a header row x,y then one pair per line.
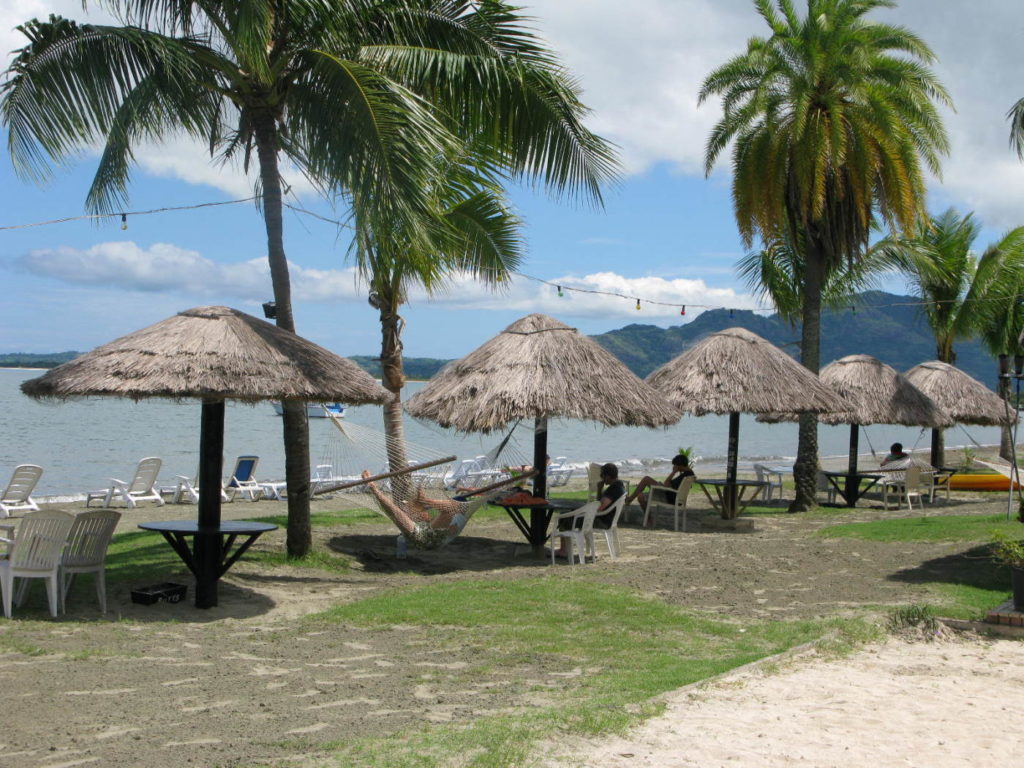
x,y
646,482
398,515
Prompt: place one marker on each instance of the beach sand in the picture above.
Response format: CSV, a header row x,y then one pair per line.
x,y
246,684
942,704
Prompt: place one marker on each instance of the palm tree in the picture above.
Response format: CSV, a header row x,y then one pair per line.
x,y
831,118
364,97
956,288
476,234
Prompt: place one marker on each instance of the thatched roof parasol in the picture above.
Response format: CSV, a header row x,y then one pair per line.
x,y
876,394
213,352
964,398
539,367
736,371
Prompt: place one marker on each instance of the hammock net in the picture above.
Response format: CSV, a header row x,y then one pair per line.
x,y
428,495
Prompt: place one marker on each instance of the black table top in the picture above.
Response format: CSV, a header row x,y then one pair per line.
x,y
834,473
547,504
192,527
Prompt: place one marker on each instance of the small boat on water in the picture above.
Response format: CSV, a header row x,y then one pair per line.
x,y
317,410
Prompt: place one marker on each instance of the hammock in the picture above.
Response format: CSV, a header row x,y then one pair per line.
x,y
407,494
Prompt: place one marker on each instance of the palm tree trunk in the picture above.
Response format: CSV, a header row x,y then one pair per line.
x,y
393,379
295,425
938,455
1003,388
805,469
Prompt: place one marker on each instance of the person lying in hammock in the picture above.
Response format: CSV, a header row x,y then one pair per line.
x,y
414,520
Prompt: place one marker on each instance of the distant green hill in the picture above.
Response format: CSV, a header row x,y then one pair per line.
x,y
897,335
30,360
415,367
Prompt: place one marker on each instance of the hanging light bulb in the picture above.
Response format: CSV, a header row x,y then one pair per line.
x,y
124,221
560,294
638,305
683,310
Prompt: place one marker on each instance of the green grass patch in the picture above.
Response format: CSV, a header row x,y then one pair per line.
x,y
934,528
318,558
627,648
330,519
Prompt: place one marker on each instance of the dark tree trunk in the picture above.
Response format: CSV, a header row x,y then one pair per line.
x,y
393,379
938,455
1003,388
805,469
295,424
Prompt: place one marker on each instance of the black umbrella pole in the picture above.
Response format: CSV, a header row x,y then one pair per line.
x,y
852,484
729,501
540,458
208,539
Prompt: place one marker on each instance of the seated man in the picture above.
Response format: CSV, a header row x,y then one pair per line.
x,y
680,469
612,490
896,453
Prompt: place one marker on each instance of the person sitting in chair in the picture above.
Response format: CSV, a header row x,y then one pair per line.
x,y
680,470
896,453
611,490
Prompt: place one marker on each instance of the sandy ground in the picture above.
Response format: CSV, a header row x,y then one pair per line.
x,y
941,704
247,683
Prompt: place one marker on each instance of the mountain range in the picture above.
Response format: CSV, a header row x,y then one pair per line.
x,y
889,327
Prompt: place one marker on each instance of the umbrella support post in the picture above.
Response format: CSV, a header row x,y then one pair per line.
x,y
852,483
207,554
729,495
538,520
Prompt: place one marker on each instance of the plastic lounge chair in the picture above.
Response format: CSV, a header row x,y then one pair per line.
x,y
659,495
33,552
907,487
86,551
580,540
823,484
18,494
187,491
243,478
772,477
611,533
141,488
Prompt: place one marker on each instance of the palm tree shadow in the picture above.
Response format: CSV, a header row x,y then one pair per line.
x,y
376,554
972,568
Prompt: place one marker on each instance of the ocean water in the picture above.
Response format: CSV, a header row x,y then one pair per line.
x,y
81,444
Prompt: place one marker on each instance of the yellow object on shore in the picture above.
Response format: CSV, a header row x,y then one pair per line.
x,y
979,482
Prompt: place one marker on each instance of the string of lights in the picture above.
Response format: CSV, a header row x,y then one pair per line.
x,y
561,288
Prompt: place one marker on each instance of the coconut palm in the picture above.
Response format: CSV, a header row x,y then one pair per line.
x,y
363,97
476,235
832,119
961,294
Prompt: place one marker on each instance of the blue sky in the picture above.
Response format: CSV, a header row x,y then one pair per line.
x,y
665,234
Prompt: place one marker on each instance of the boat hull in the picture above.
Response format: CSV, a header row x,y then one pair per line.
x,y
979,482
317,410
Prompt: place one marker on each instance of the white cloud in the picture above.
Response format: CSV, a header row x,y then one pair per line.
x,y
166,268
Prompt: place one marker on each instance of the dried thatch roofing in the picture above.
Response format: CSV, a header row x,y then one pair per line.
x,y
214,352
538,368
964,398
877,394
736,371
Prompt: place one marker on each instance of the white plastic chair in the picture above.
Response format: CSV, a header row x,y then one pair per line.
x,y
580,540
659,495
187,491
906,488
771,476
611,533
593,480
86,551
17,496
823,484
243,478
141,488
33,552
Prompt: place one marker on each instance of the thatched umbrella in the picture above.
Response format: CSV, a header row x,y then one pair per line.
x,y
965,399
736,371
539,368
877,394
211,353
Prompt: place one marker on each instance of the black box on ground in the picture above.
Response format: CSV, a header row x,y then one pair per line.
x,y
168,592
